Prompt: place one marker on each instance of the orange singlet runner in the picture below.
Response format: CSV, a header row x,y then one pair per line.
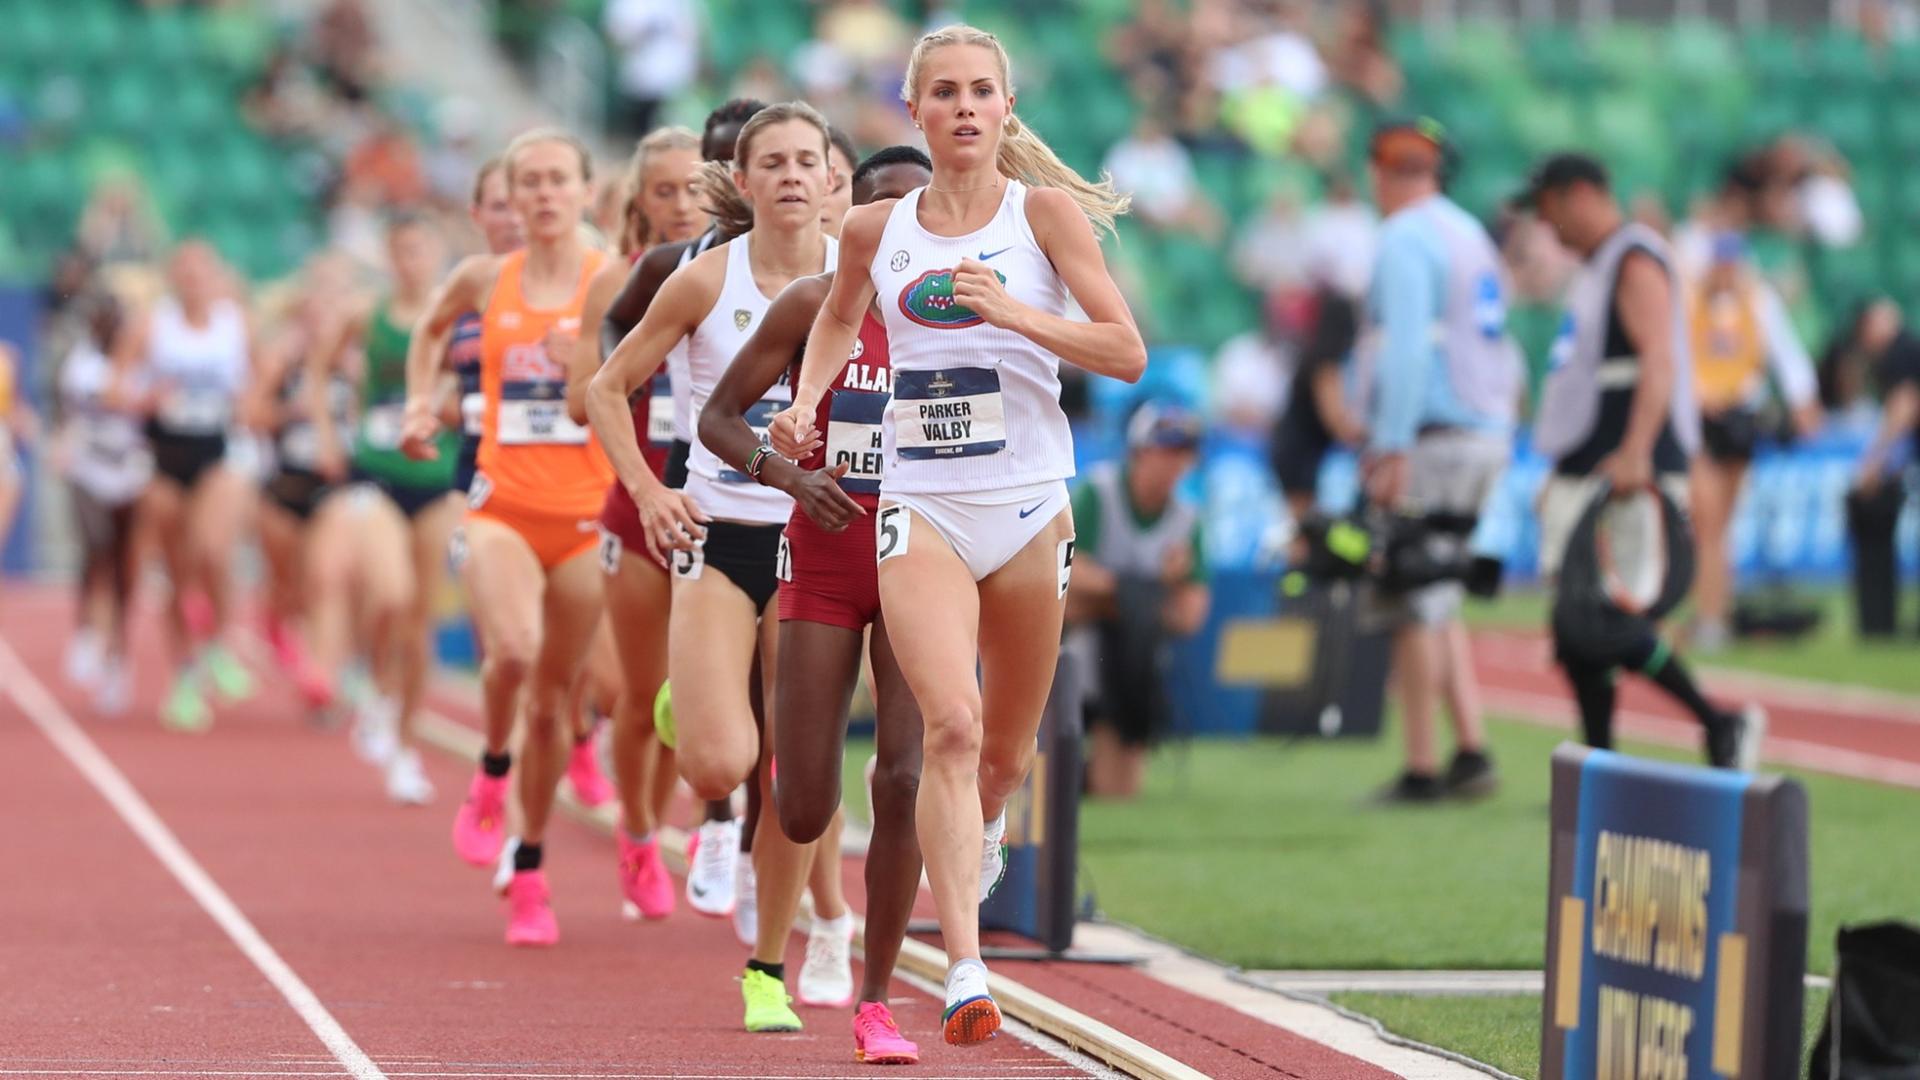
x,y
540,474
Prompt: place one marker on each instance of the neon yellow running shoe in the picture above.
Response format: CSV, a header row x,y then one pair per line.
x,y
663,716
230,677
768,1006
185,709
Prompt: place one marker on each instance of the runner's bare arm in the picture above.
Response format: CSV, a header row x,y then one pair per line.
x,y
670,519
830,343
1109,343
331,452
781,336
637,292
589,349
466,289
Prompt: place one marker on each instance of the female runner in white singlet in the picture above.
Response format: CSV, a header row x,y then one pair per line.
x,y
195,346
974,534
723,532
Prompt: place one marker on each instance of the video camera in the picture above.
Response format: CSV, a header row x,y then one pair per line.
x,y
1397,553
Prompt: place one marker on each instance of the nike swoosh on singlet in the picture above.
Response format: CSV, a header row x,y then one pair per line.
x,y
1029,510
984,256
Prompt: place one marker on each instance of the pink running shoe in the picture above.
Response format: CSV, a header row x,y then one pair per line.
x,y
590,785
196,610
877,1039
644,880
480,827
530,920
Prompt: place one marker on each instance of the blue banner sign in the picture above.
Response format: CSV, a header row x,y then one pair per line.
x,y
1676,921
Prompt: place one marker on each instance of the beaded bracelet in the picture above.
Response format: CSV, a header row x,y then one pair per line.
x,y
759,460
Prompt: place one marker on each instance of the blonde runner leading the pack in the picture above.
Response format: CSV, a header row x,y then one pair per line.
x,y
974,535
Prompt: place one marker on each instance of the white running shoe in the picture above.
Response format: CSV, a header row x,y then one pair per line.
x,y
711,878
746,901
826,981
503,873
376,731
113,692
86,658
407,782
993,855
1751,730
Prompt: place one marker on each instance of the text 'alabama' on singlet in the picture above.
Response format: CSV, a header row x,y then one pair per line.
x,y
975,407
852,415
721,490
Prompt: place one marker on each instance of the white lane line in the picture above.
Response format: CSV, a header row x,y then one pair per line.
x,y
1544,710
113,786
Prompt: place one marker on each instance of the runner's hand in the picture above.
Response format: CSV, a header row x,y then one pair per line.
x,y
791,432
417,431
671,521
819,493
979,289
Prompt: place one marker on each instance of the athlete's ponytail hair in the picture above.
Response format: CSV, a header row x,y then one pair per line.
x,y
636,232
1022,154
714,186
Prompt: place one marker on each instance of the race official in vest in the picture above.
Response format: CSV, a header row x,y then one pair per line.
x,y
1139,582
1438,382
1617,410
1742,341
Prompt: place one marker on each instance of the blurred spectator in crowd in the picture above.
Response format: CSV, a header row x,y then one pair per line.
x,y
1139,581
1269,252
1269,47
385,165
1157,171
456,155
1338,234
1740,335
1878,345
119,225
1733,207
286,101
1357,53
659,46
345,48
1252,373
1318,415
1153,41
870,38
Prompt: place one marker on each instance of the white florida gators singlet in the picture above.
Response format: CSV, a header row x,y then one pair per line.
x,y
721,490
975,407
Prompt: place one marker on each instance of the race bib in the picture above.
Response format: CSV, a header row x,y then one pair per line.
x,y
300,446
535,414
473,413
660,422
759,418
853,439
609,552
688,563
381,426
891,532
957,412
660,410
196,411
783,562
1066,563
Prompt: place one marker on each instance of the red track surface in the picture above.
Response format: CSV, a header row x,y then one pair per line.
x,y
112,969
1875,737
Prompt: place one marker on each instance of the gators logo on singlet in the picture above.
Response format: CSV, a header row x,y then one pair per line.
x,y
928,300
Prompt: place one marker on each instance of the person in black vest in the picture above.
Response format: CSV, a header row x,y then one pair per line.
x,y
1617,413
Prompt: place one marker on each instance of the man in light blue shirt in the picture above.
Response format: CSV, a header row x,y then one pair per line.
x,y
1439,382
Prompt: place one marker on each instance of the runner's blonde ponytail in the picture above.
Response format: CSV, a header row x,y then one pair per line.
x,y
1022,154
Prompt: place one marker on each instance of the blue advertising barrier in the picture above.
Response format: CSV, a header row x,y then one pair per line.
x,y
1676,921
19,323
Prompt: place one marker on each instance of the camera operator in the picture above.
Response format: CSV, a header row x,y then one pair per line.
x,y
1139,579
1438,381
1617,411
